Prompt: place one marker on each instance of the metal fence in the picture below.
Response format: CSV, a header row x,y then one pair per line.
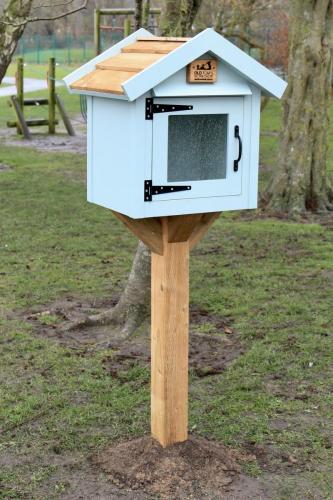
x,y
66,49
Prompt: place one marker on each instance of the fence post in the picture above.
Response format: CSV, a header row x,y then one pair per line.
x,y
20,87
97,35
52,98
127,26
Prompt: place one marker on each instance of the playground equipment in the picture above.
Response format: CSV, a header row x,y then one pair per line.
x,y
18,102
147,21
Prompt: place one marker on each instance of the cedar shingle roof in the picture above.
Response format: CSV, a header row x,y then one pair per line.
x,y
110,74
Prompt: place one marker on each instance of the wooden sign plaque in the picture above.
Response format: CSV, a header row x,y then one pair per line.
x,y
202,71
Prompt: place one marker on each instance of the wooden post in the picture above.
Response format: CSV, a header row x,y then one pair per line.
x,y
169,341
64,116
97,34
52,99
21,123
170,240
19,79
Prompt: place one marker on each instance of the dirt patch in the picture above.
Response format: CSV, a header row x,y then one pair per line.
x,y
41,141
210,352
195,469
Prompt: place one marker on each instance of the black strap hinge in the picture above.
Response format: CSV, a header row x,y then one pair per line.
x,y
150,190
152,108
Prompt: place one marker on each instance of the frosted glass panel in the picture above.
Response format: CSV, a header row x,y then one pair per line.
x,y
197,148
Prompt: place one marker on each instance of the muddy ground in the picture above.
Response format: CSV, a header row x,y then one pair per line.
x,y
60,142
140,469
210,352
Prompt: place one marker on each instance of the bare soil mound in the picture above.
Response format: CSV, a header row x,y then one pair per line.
x,y
196,469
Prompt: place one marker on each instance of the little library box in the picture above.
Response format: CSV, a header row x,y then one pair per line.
x,y
173,140
173,124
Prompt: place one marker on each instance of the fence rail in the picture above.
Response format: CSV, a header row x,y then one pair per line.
x,y
67,50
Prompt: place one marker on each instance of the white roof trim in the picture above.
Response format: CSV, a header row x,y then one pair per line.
x,y
90,65
206,41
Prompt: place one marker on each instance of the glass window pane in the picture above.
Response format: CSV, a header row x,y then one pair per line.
x,y
197,147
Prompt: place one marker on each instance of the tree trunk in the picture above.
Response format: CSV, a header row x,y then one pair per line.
x,y
145,14
178,17
133,306
11,29
301,181
138,14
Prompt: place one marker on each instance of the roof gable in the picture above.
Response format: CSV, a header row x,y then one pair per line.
x,y
206,41
142,62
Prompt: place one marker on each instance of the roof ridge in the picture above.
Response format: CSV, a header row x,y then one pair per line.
x,y
163,39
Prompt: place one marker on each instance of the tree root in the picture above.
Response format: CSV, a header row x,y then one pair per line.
x,y
123,324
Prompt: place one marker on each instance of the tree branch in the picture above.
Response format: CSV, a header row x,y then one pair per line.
x,y
63,4
52,18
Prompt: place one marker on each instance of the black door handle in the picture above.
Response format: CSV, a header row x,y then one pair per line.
x,y
237,136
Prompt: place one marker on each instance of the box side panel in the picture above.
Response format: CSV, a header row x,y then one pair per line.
x,y
89,147
254,153
111,155
246,156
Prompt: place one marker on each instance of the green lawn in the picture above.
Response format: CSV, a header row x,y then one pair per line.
x,y
273,277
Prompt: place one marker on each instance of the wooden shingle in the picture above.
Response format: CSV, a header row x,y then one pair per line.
x,y
110,74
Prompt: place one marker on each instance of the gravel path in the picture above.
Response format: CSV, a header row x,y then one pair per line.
x,y
30,85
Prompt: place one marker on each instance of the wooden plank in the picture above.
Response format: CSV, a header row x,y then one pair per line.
x,y
51,94
64,116
22,124
147,230
32,122
36,102
202,227
102,80
80,72
152,47
169,343
129,62
180,227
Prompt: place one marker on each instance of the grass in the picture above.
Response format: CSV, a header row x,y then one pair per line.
x,y
272,277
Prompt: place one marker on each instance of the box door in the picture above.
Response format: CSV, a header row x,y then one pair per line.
x,y
197,149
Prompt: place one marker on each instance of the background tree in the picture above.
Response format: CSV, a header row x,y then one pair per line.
x,y
302,181
11,29
15,16
178,16
138,14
